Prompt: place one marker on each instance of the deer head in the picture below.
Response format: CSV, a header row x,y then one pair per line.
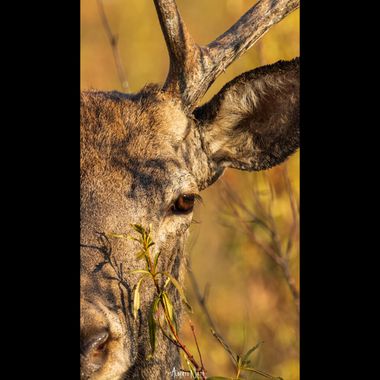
x,y
144,159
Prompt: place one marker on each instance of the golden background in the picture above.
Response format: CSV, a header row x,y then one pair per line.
x,y
249,297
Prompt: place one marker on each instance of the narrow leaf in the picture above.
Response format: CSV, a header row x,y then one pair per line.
x,y
246,356
180,290
140,271
140,255
152,332
192,369
168,306
136,298
262,373
156,260
153,325
238,361
138,228
118,236
166,281
135,239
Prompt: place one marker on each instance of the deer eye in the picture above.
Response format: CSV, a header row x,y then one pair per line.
x,y
184,204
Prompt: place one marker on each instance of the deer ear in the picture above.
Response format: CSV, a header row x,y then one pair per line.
x,y
253,122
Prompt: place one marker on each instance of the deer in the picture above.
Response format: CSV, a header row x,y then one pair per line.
x,y
146,156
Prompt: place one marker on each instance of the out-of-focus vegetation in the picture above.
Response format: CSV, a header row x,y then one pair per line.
x,y
249,296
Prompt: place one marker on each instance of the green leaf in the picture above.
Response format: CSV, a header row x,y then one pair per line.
x,y
153,325
246,356
140,271
136,298
156,260
138,228
192,369
262,373
168,306
155,304
135,239
150,243
238,361
118,236
152,332
140,255
193,372
180,290
166,281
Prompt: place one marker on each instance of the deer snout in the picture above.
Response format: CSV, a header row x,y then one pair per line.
x,y
94,351
104,345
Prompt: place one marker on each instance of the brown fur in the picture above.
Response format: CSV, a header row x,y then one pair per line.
x,y
140,152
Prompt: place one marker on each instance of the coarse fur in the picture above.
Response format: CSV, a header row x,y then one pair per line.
x,y
139,153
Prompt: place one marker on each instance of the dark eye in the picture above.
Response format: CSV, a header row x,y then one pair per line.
x,y
184,203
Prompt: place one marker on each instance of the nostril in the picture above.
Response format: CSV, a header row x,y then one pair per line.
x,y
94,351
96,342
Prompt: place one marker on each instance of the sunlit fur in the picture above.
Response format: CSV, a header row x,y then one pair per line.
x,y
139,153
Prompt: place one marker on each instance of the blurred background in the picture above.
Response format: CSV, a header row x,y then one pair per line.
x,y
244,245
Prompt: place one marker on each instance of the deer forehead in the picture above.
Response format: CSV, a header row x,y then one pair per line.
x,y
155,137
136,150
175,123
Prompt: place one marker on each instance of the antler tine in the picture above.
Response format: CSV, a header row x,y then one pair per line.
x,y
178,40
194,68
184,53
246,31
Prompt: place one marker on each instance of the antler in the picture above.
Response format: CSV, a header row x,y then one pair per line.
x,y
194,68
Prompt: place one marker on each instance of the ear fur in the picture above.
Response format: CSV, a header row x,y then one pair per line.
x,y
253,122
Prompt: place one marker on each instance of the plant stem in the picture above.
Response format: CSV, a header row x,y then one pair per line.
x,y
182,346
196,343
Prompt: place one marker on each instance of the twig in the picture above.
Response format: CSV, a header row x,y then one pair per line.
x,y
264,217
196,343
225,346
201,299
292,285
113,40
147,242
294,209
167,336
181,345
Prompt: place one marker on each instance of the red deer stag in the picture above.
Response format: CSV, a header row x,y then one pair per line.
x,y
144,159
